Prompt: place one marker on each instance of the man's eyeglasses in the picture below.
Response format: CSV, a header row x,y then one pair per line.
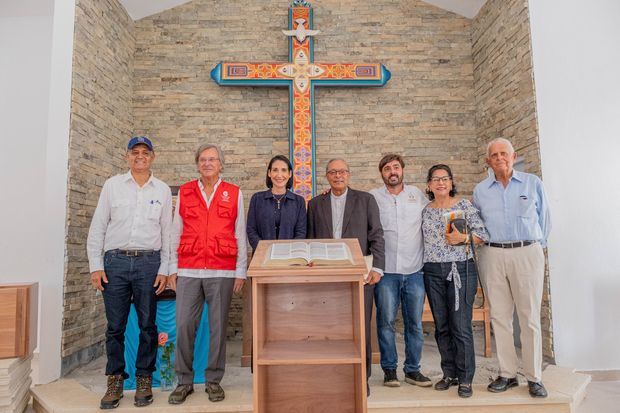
x,y
335,172
442,179
208,160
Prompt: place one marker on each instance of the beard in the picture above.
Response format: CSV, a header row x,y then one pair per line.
x,y
390,182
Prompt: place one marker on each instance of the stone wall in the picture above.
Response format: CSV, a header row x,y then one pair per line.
x,y
505,96
101,122
152,77
426,112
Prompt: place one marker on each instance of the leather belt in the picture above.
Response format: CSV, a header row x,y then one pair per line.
x,y
516,244
133,253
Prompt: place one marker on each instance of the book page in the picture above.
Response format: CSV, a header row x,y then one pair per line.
x,y
337,251
329,251
289,250
318,251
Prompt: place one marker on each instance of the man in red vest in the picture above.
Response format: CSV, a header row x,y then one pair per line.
x,y
208,263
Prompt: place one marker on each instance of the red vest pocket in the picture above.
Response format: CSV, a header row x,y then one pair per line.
x,y
226,247
225,211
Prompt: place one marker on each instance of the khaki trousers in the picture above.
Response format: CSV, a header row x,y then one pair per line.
x,y
513,277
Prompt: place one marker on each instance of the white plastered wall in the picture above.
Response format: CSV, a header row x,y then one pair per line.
x,y
576,55
36,40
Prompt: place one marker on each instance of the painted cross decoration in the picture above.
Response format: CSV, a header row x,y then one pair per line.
x,y
301,74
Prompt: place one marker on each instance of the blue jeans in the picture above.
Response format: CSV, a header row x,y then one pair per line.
x,y
130,278
453,331
407,290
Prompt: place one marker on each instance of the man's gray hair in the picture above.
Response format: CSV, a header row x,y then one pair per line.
x,y
334,160
500,140
203,147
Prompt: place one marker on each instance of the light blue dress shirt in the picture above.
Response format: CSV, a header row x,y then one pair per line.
x,y
519,212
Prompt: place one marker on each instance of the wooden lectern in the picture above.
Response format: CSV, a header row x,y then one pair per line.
x,y
308,336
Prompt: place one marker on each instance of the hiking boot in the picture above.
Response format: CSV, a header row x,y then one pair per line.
x,y
418,379
144,393
390,379
114,394
445,383
215,391
179,394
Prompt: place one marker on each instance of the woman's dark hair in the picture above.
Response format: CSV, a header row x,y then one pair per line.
x,y
434,168
289,183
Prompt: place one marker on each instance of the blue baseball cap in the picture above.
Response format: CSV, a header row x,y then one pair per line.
x,y
136,140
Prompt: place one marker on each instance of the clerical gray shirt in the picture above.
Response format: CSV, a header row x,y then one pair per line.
x,y
338,203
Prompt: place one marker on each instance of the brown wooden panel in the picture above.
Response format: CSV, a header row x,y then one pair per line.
x,y
311,389
310,352
10,306
18,319
246,323
308,312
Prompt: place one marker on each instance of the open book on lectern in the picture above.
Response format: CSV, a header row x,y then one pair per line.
x,y
303,253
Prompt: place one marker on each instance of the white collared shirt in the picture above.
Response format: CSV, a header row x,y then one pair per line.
x,y
240,235
130,217
338,202
401,219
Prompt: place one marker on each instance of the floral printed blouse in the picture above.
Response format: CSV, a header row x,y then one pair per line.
x,y
436,249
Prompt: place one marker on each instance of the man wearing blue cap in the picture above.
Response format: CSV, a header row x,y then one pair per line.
x,y
128,251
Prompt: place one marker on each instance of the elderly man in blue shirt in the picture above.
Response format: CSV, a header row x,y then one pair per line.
x,y
515,211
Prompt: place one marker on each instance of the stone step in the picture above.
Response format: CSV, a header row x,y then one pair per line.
x,y
566,390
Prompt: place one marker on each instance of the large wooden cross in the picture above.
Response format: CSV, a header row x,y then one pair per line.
x,y
301,74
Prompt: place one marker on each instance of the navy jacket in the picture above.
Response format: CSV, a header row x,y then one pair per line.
x,y
261,224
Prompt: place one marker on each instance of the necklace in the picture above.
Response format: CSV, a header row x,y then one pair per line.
x,y
278,200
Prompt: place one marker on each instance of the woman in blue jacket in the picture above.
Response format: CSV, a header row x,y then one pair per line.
x,y
277,213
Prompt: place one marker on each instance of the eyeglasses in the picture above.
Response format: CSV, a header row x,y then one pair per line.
x,y
208,160
335,172
442,179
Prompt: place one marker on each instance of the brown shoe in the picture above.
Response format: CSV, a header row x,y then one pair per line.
x,y
215,391
179,394
144,393
114,394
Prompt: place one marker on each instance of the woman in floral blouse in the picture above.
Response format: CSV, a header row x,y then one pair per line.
x,y
450,277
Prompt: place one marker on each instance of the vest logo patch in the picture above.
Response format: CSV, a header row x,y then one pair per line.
x,y
225,196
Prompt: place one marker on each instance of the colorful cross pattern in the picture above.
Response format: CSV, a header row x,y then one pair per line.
x,y
301,74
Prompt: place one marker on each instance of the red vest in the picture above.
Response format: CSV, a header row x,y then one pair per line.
x,y
208,239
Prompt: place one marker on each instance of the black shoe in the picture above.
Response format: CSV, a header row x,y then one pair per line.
x,y
215,391
445,383
537,389
418,379
390,379
179,394
465,390
501,384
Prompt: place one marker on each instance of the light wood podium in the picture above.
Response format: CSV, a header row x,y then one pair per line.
x,y
308,336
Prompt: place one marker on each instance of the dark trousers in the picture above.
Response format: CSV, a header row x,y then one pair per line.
x,y
369,295
130,278
453,331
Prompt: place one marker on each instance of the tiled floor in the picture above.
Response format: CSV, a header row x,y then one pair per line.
x,y
601,397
